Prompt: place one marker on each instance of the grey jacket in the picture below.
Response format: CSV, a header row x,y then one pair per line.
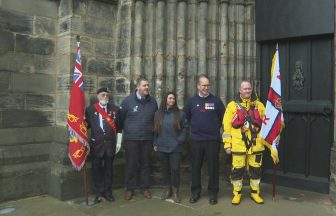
x,y
169,140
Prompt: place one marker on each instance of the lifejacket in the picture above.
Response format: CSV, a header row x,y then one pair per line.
x,y
247,120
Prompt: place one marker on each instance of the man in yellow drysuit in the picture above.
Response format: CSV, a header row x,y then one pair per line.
x,y
242,122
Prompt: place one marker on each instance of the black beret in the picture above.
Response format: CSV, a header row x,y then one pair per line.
x,y
103,89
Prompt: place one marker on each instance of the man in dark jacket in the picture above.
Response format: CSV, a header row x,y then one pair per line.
x,y
137,117
205,113
102,118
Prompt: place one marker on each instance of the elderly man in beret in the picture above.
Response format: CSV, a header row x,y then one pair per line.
x,y
102,119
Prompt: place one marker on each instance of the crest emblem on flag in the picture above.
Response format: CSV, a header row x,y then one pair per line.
x,y
78,148
273,121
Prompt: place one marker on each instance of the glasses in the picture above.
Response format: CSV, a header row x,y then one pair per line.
x,y
205,86
104,94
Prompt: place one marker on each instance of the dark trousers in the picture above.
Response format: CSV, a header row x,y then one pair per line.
x,y
102,170
170,167
209,149
138,159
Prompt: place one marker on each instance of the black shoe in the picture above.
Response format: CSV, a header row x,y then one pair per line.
x,y
213,201
194,199
98,199
110,198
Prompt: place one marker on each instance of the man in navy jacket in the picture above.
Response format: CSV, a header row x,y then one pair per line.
x,y
137,118
102,143
205,112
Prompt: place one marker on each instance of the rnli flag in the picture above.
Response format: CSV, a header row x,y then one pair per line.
x,y
273,120
78,148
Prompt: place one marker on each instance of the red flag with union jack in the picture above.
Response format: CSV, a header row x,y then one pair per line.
x,y
273,120
78,140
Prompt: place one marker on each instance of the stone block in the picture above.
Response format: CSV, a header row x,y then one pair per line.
x,y
332,187
61,135
100,67
22,82
101,10
333,161
59,151
123,67
6,41
1,120
62,101
15,136
4,80
97,28
64,45
21,154
80,6
90,84
123,49
65,8
63,83
44,26
16,22
106,48
64,62
85,45
69,25
19,119
37,7
11,101
23,62
61,116
108,82
64,182
23,180
40,102
27,44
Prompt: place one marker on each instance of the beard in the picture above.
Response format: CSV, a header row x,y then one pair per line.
x,y
103,102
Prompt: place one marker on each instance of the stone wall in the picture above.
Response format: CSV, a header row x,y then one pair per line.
x,y
332,191
169,41
173,41
94,22
27,95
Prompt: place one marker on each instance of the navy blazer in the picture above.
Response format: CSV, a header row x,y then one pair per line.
x,y
102,142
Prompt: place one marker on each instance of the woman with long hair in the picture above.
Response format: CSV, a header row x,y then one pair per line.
x,y
170,131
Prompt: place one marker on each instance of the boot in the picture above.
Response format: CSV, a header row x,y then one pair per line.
x,y
236,197
167,193
255,191
237,187
257,198
176,196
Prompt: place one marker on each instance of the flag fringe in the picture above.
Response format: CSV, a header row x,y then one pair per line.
x,y
80,138
78,168
274,154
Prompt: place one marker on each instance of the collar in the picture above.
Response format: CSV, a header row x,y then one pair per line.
x,y
199,94
246,103
104,107
138,95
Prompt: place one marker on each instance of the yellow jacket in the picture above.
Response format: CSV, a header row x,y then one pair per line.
x,y
232,137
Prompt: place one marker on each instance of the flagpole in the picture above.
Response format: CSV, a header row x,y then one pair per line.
x,y
86,195
275,168
274,181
